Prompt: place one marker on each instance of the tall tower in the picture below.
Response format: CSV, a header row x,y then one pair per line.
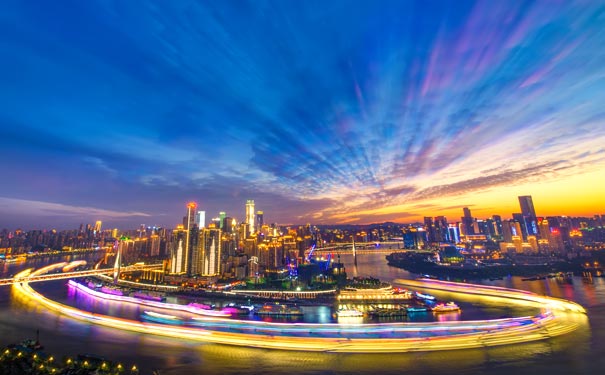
x,y
189,223
250,215
529,215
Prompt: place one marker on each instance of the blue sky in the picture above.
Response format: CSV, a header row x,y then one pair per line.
x,y
320,111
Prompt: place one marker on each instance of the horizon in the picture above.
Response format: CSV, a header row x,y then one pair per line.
x,y
341,113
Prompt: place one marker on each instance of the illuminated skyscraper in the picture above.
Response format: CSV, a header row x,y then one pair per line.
x,y
250,215
221,216
97,228
529,215
209,248
200,219
189,224
177,256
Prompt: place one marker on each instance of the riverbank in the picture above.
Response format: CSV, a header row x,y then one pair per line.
x,y
418,263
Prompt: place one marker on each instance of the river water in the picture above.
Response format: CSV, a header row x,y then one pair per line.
x,y
581,352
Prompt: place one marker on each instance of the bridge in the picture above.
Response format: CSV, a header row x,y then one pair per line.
x,y
74,274
383,247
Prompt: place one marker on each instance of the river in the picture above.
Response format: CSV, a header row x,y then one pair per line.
x,y
581,352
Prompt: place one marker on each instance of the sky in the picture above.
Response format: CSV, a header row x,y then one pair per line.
x,y
321,111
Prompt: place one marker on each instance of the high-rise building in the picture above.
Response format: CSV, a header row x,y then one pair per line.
x,y
429,227
177,254
189,224
497,222
519,219
441,228
221,216
227,224
453,233
259,220
209,246
250,215
467,222
200,219
97,228
529,215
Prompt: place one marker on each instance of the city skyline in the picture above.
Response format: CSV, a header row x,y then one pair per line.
x,y
327,114
520,214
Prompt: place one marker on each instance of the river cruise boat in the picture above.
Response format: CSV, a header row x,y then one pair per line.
x,y
387,293
348,313
446,307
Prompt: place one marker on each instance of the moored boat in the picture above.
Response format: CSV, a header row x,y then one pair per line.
x,y
279,309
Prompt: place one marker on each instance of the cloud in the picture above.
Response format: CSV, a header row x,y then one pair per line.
x,y
316,116
39,208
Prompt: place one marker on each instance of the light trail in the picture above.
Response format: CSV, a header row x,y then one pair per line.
x,y
42,276
288,336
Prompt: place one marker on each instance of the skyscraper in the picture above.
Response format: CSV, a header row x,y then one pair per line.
x,y
177,256
209,248
529,215
189,223
200,219
259,220
97,228
467,222
250,215
221,216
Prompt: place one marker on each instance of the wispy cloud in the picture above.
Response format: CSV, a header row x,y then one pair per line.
x,y
38,208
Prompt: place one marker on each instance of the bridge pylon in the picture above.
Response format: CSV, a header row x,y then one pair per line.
x,y
117,264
